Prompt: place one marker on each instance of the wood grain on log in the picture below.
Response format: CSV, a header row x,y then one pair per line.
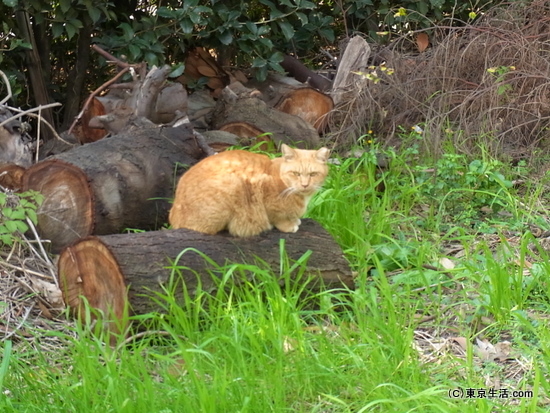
x,y
103,187
309,104
109,271
293,97
83,131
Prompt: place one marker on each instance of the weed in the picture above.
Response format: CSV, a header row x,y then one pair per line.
x,y
15,209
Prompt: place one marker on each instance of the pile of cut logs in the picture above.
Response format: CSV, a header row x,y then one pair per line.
x,y
130,146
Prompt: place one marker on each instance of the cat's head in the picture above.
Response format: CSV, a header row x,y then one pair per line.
x,y
303,171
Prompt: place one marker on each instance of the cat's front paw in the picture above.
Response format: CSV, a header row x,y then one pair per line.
x,y
288,226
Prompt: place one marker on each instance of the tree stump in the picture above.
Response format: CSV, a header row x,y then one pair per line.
x,y
354,59
110,271
125,181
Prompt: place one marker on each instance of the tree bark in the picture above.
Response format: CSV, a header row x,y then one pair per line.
x,y
35,69
110,271
298,71
354,59
78,75
125,181
242,109
288,95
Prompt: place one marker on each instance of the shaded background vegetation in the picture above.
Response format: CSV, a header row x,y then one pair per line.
x,y
55,37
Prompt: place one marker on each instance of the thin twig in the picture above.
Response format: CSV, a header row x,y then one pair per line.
x,y
11,333
111,58
8,87
29,111
95,93
42,250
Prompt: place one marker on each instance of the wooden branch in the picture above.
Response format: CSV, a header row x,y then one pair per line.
x,y
149,90
298,71
95,93
111,58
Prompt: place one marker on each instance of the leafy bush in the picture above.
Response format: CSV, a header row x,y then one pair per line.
x,y
14,212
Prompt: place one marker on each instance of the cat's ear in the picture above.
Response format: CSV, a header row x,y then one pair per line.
x,y
322,155
288,152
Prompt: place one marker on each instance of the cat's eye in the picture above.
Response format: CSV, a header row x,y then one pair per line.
x,y
312,174
296,173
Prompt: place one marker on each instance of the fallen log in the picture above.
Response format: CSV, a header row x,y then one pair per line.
x,y
242,107
113,270
103,187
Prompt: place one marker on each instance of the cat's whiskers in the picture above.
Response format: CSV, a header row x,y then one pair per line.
x,y
287,192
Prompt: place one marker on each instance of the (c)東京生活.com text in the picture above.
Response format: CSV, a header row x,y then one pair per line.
x,y
490,393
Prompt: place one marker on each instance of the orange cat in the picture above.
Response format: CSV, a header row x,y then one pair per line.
x,y
248,193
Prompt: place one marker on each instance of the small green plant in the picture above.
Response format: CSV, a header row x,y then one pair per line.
x,y
375,73
15,210
467,191
499,73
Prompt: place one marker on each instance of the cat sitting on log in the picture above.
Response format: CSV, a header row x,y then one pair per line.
x,y
248,193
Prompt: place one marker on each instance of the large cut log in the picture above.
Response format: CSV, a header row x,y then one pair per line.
x,y
243,107
290,96
110,271
125,181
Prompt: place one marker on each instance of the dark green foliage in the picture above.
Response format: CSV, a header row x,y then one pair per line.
x,y
253,33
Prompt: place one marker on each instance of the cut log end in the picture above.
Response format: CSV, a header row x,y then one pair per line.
x,y
11,176
309,104
250,135
67,212
90,270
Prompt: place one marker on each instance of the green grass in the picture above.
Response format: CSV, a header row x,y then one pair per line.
x,y
262,345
